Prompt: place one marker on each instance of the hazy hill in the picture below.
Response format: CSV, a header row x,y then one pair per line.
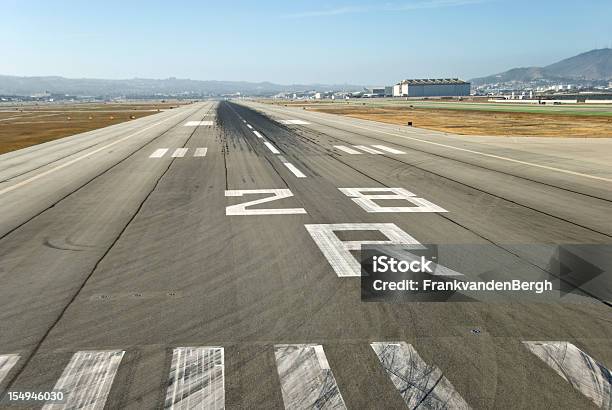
x,y
14,85
592,65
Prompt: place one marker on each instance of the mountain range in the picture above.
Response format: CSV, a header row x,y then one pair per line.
x,y
594,65
25,86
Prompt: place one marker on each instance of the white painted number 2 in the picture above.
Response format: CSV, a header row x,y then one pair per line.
x,y
365,199
241,209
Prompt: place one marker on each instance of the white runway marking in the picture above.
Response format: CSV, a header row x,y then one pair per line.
x,y
159,153
249,125
271,147
294,170
306,380
294,122
585,374
419,384
197,379
179,153
338,253
7,362
257,134
198,123
87,379
347,149
484,154
367,149
365,201
240,209
200,152
388,149
82,157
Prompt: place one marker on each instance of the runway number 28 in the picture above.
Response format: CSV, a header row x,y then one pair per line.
x,y
364,197
336,251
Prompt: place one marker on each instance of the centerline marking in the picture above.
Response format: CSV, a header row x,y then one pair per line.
x,y
294,170
271,147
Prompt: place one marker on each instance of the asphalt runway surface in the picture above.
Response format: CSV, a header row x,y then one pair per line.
x,y
132,277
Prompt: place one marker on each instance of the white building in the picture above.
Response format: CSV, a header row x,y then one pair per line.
x,y
431,87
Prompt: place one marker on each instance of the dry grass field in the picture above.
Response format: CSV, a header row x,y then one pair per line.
x,y
481,122
26,125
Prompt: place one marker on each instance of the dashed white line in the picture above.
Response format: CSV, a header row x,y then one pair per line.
x,y
257,134
200,152
179,153
347,149
294,170
87,379
159,153
250,126
271,147
367,149
388,149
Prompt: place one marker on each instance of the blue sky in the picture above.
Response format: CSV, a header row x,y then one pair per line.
x,y
359,42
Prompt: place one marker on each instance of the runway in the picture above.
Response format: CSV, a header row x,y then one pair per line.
x,y
187,259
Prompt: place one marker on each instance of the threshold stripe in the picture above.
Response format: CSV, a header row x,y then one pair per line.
x,y
197,379
87,379
419,384
306,380
7,362
580,370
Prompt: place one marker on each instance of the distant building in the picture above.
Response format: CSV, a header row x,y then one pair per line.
x,y
442,87
377,91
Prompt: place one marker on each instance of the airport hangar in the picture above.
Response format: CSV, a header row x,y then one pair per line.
x,y
443,87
